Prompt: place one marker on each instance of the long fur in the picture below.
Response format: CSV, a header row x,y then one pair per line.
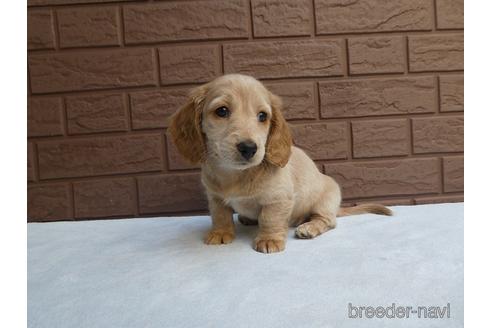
x,y
278,187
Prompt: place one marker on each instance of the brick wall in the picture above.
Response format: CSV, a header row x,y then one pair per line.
x,y
373,91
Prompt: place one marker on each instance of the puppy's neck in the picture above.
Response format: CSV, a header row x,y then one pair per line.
x,y
231,182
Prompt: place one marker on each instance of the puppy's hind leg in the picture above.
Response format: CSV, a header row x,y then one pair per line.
x,y
316,225
324,212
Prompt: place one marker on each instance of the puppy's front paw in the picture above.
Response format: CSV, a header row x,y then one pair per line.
x,y
269,245
217,237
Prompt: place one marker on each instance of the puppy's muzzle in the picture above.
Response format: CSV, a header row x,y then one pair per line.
x,y
247,149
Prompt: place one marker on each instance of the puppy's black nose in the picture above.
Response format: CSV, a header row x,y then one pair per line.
x,y
247,149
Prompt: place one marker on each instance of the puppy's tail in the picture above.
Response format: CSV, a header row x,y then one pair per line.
x,y
364,208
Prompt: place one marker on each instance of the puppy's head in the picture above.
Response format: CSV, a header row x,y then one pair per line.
x,y
233,121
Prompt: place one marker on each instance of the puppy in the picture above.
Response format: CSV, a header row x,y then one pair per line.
x,y
234,127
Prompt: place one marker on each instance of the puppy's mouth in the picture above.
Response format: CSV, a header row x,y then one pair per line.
x,y
244,164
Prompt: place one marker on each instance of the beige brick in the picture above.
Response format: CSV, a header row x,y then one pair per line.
x,y
90,26
171,193
298,99
281,17
341,16
452,93
104,198
440,134
450,14
189,64
186,20
453,174
90,70
100,156
389,96
381,178
380,138
322,140
376,55
285,58
435,52
99,113
48,202
152,109
44,117
30,162
40,32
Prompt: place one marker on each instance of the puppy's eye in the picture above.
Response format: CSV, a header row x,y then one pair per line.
x,y
262,116
222,112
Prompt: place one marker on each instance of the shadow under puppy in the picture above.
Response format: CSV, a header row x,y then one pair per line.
x,y
234,127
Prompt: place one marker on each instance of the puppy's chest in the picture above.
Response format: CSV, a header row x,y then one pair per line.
x,y
248,207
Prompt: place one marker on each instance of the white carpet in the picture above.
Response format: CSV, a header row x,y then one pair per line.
x,y
158,273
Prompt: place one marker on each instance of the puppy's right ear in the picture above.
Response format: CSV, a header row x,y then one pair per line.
x,y
278,148
185,127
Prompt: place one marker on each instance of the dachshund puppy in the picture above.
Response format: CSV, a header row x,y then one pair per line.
x,y
234,127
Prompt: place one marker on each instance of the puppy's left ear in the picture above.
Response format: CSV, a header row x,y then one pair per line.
x,y
279,143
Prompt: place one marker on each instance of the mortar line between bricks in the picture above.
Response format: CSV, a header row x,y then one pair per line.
x,y
88,5
411,135
121,27
434,15
112,176
64,117
438,88
126,217
251,23
379,117
107,134
136,204
350,141
387,158
153,131
406,55
441,175
317,101
56,30
221,55
128,112
347,58
157,67
397,196
29,87
439,199
405,197
72,199
313,19
270,80
36,161
193,171
245,40
164,152
168,160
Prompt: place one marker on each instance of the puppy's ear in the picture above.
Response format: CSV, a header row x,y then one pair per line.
x,y
185,127
278,147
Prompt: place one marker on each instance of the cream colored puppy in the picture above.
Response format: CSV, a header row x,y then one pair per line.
x,y
234,127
